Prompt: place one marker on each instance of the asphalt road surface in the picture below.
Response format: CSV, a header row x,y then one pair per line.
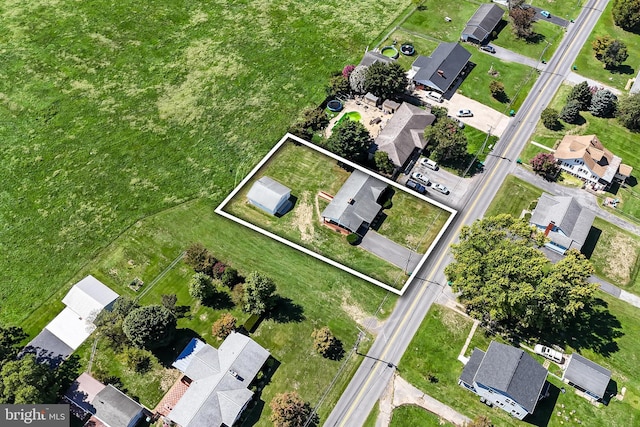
x,y
378,365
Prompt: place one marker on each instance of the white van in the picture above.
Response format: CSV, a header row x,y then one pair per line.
x,y
434,95
549,353
428,163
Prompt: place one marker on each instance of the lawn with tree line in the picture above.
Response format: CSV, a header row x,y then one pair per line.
x,y
127,109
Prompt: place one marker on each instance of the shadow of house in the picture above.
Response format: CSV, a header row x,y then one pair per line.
x,y
562,220
355,206
442,69
482,23
403,137
270,196
507,377
218,381
587,376
590,243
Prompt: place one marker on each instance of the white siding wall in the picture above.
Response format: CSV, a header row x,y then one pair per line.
x,y
503,402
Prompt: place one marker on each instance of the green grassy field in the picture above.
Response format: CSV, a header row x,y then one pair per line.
x,y
410,415
589,66
514,196
115,111
423,45
431,19
548,34
475,139
564,9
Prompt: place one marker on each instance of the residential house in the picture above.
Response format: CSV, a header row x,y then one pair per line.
x,y
438,72
482,23
355,206
115,409
585,157
506,377
403,137
73,325
562,220
371,57
587,376
270,196
218,381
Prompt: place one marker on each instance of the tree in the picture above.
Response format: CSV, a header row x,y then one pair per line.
x,y
327,344
628,111
199,258
338,86
497,90
603,103
10,339
169,302
350,140
230,277
522,20
626,14
480,421
222,327
550,118
385,80
570,112
383,162
138,359
448,140
357,78
545,164
347,70
610,51
201,287
289,410
259,293
150,327
25,381
109,323
582,94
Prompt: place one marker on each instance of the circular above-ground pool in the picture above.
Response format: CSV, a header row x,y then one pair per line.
x,y
390,51
334,105
407,49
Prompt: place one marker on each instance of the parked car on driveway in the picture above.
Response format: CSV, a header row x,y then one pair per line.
x,y
545,13
424,179
464,113
434,95
548,352
416,186
441,188
488,48
428,163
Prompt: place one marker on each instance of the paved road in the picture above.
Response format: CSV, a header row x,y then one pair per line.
x,y
376,370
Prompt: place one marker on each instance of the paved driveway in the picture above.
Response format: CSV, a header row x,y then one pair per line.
x,y
553,19
390,251
510,56
483,117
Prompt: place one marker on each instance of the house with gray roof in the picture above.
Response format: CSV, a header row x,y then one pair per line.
x,y
115,409
506,377
218,381
563,221
482,23
355,206
270,196
587,376
403,137
371,57
439,71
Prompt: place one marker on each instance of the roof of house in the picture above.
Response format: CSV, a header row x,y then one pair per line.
x,y
115,408
47,348
219,390
268,193
512,372
89,296
356,201
371,57
389,103
471,368
625,170
635,88
83,390
70,328
404,133
565,212
590,150
587,375
483,22
443,66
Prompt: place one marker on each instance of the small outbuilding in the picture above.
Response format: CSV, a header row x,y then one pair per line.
x,y
587,376
390,106
371,99
270,196
482,23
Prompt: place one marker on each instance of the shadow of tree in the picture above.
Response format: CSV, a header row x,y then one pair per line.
x,y
336,352
220,300
591,241
285,310
168,354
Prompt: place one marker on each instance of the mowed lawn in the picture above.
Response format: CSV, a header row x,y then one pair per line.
x,y
443,333
313,294
430,19
410,221
115,111
411,415
589,66
547,37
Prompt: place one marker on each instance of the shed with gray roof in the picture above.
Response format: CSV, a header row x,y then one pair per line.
x,y
588,376
563,220
270,196
371,57
356,203
440,70
482,23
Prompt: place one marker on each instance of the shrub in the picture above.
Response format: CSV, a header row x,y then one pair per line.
x,y
326,344
201,287
169,302
138,359
570,112
347,70
383,162
237,294
289,410
550,118
222,327
353,239
497,89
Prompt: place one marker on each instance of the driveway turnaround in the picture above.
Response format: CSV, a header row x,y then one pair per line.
x,y
483,117
510,56
390,251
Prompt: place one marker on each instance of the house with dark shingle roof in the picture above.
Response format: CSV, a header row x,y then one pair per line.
x,y
440,70
482,23
506,377
270,196
218,381
355,206
587,376
403,137
563,221
115,409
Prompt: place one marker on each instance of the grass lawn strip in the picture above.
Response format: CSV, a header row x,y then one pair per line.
x,y
315,240
411,415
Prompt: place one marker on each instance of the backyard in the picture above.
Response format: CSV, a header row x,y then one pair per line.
x,y
410,221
